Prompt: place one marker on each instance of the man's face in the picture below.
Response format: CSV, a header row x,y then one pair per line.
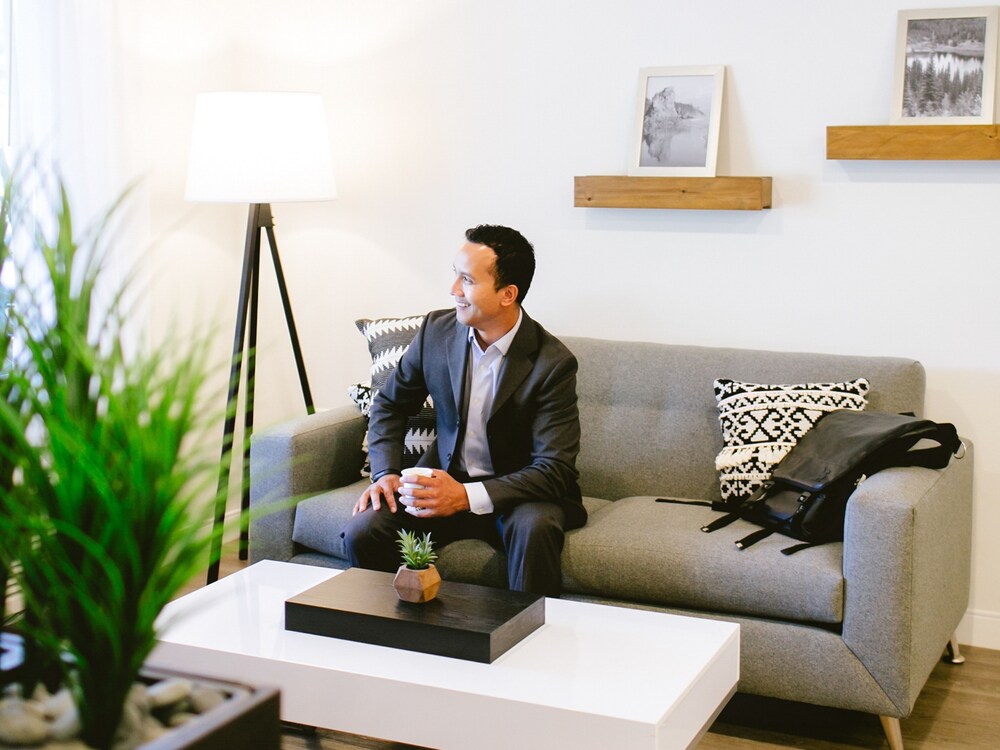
x,y
477,300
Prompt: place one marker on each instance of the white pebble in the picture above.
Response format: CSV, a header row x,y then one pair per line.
x,y
168,692
58,704
204,699
66,725
21,723
180,718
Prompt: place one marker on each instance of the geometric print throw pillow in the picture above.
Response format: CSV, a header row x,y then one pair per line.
x,y
388,339
761,423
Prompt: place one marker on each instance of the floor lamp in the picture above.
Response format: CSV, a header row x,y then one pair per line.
x,y
257,148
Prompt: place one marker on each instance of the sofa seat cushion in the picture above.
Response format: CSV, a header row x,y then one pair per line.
x,y
320,519
645,551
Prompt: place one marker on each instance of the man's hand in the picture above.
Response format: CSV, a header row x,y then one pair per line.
x,y
437,496
384,489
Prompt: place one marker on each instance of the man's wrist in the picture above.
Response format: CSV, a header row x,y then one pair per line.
x,y
385,472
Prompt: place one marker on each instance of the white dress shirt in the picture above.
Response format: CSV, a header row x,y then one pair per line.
x,y
482,377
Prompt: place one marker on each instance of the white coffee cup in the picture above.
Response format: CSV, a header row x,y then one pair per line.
x,y
415,471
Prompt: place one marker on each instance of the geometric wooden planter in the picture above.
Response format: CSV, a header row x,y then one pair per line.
x,y
417,586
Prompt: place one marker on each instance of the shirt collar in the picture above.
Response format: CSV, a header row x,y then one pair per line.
x,y
503,343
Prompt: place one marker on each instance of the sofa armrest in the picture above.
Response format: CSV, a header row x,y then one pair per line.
x,y
907,562
293,460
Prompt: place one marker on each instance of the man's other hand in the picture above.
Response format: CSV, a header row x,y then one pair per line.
x,y
383,490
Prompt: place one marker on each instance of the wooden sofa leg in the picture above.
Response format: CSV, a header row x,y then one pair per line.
x,y
954,655
893,732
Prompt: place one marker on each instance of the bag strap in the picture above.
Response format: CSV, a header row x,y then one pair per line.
x,y
751,539
755,537
722,506
720,523
738,508
678,501
799,547
937,457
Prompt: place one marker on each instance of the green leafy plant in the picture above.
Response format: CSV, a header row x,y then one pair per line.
x,y
103,507
8,392
418,553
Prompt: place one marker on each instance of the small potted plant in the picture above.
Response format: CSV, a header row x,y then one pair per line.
x,y
417,580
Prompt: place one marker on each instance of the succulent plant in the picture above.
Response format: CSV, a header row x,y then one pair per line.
x,y
418,552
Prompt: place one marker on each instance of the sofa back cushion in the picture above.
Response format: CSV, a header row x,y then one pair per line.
x,y
650,420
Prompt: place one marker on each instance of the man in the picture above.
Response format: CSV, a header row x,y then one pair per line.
x,y
508,429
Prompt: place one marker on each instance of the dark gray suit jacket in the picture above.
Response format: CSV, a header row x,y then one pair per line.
x,y
533,431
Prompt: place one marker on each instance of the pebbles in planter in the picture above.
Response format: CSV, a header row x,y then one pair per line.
x,y
22,723
52,721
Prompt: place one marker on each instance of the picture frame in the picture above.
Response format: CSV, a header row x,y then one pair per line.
x,y
677,121
945,71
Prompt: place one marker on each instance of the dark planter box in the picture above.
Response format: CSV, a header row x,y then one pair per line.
x,y
249,718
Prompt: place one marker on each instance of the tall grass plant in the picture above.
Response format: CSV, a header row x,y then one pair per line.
x,y
103,512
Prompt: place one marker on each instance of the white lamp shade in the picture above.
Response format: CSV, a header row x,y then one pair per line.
x,y
259,147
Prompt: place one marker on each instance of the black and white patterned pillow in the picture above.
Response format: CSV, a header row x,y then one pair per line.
x,y
361,395
388,339
761,423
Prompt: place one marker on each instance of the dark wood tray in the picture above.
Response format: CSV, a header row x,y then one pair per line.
x,y
470,622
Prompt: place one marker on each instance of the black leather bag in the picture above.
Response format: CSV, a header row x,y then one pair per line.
x,y
806,497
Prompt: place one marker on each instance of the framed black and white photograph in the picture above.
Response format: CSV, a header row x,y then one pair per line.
x,y
945,67
677,126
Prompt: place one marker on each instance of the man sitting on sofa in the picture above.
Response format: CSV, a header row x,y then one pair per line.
x,y
508,428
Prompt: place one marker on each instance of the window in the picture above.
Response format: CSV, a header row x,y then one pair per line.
x,y
6,34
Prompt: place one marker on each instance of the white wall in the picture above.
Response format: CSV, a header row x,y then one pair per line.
x,y
448,113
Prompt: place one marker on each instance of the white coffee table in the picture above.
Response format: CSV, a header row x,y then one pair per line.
x,y
592,677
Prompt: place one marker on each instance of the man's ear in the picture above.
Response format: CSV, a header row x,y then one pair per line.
x,y
508,295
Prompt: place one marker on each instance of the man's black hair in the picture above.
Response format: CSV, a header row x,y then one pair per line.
x,y
515,262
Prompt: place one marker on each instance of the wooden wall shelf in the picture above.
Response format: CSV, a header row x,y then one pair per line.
x,y
710,193
913,142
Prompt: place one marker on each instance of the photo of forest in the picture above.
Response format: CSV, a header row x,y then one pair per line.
x,y
944,67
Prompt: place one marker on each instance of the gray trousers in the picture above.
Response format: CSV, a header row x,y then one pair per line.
x,y
530,533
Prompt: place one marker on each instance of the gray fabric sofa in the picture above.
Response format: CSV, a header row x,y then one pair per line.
x,y
857,625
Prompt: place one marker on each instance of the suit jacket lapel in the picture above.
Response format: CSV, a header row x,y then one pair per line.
x,y
458,352
519,362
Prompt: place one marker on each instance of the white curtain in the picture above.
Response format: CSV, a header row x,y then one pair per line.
x,y
67,112
67,95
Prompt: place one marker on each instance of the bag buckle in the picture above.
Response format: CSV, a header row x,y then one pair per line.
x,y
764,488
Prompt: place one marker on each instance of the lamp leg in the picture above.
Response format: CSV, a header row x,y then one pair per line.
x,y
289,319
251,257
259,218
248,405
